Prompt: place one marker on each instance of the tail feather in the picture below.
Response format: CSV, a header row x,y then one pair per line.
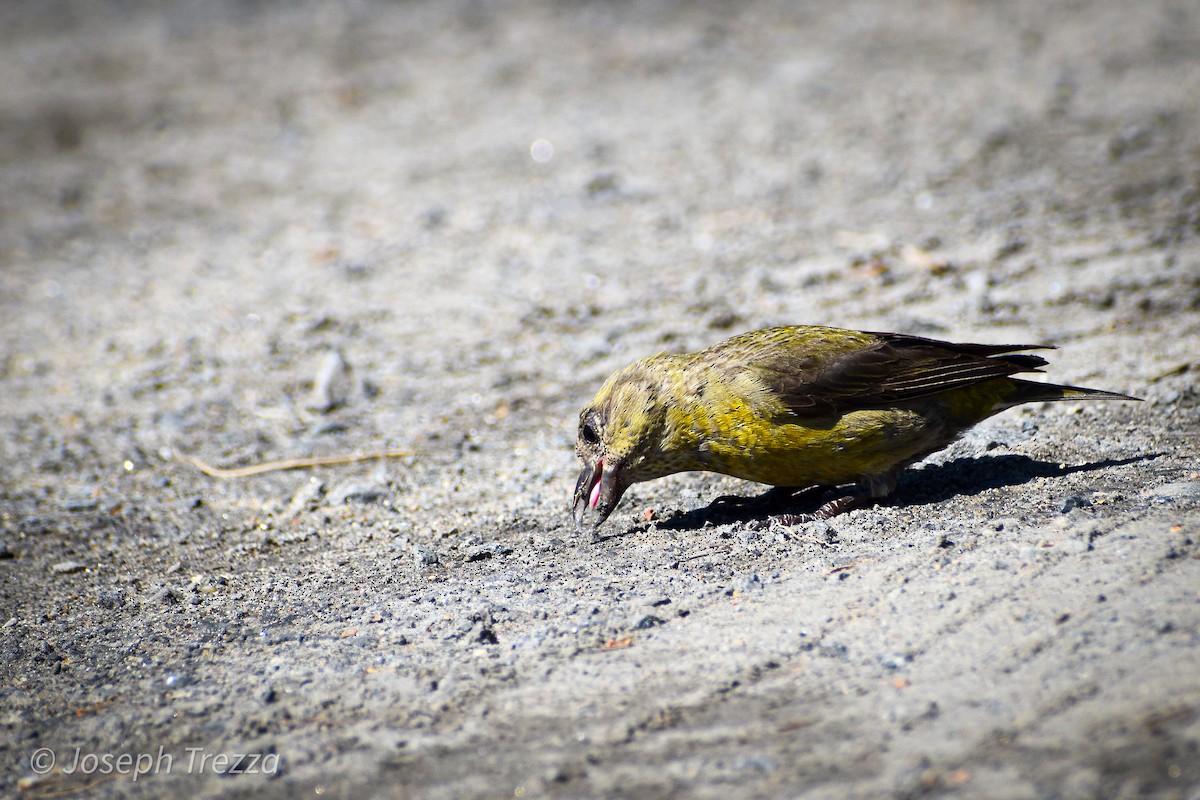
x,y
1031,392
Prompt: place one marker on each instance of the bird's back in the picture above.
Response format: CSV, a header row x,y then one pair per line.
x,y
803,405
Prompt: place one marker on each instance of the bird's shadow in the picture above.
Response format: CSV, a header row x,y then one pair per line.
x,y
933,483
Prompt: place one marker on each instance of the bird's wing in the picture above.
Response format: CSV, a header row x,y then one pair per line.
x,y
891,368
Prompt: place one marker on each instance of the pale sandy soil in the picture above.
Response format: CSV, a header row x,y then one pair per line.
x,y
200,203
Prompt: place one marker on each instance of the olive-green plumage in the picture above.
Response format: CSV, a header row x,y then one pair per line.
x,y
797,406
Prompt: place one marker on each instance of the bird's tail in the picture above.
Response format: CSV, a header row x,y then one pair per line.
x,y
1031,392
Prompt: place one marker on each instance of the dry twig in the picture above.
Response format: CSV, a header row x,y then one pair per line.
x,y
288,463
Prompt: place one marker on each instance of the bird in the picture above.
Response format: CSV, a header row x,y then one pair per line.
x,y
798,406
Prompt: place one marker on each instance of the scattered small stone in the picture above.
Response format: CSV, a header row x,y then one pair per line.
x,y
307,496
603,183
113,599
1073,502
761,764
822,530
897,661
356,492
751,583
67,567
424,556
332,384
80,502
748,536
276,538
462,627
167,596
325,427
486,552
356,271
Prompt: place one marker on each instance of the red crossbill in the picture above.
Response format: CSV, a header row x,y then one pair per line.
x,y
798,407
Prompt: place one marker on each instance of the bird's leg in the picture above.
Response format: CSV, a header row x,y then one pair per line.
x,y
877,488
831,509
843,504
780,495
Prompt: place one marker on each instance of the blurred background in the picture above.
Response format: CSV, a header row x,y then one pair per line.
x,y
254,230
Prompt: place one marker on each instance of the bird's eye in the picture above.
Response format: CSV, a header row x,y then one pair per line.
x,y
588,432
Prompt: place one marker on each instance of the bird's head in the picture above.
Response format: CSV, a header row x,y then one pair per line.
x,y
620,439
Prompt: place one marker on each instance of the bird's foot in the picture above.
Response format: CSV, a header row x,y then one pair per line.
x,y
830,509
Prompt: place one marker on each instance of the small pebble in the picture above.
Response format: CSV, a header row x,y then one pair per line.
x,y
332,384
356,492
1073,502
167,596
493,549
751,583
424,556
80,502
897,661
113,599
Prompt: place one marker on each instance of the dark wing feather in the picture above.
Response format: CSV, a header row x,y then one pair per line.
x,y
892,369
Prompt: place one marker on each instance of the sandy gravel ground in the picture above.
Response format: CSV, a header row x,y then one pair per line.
x,y
251,231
